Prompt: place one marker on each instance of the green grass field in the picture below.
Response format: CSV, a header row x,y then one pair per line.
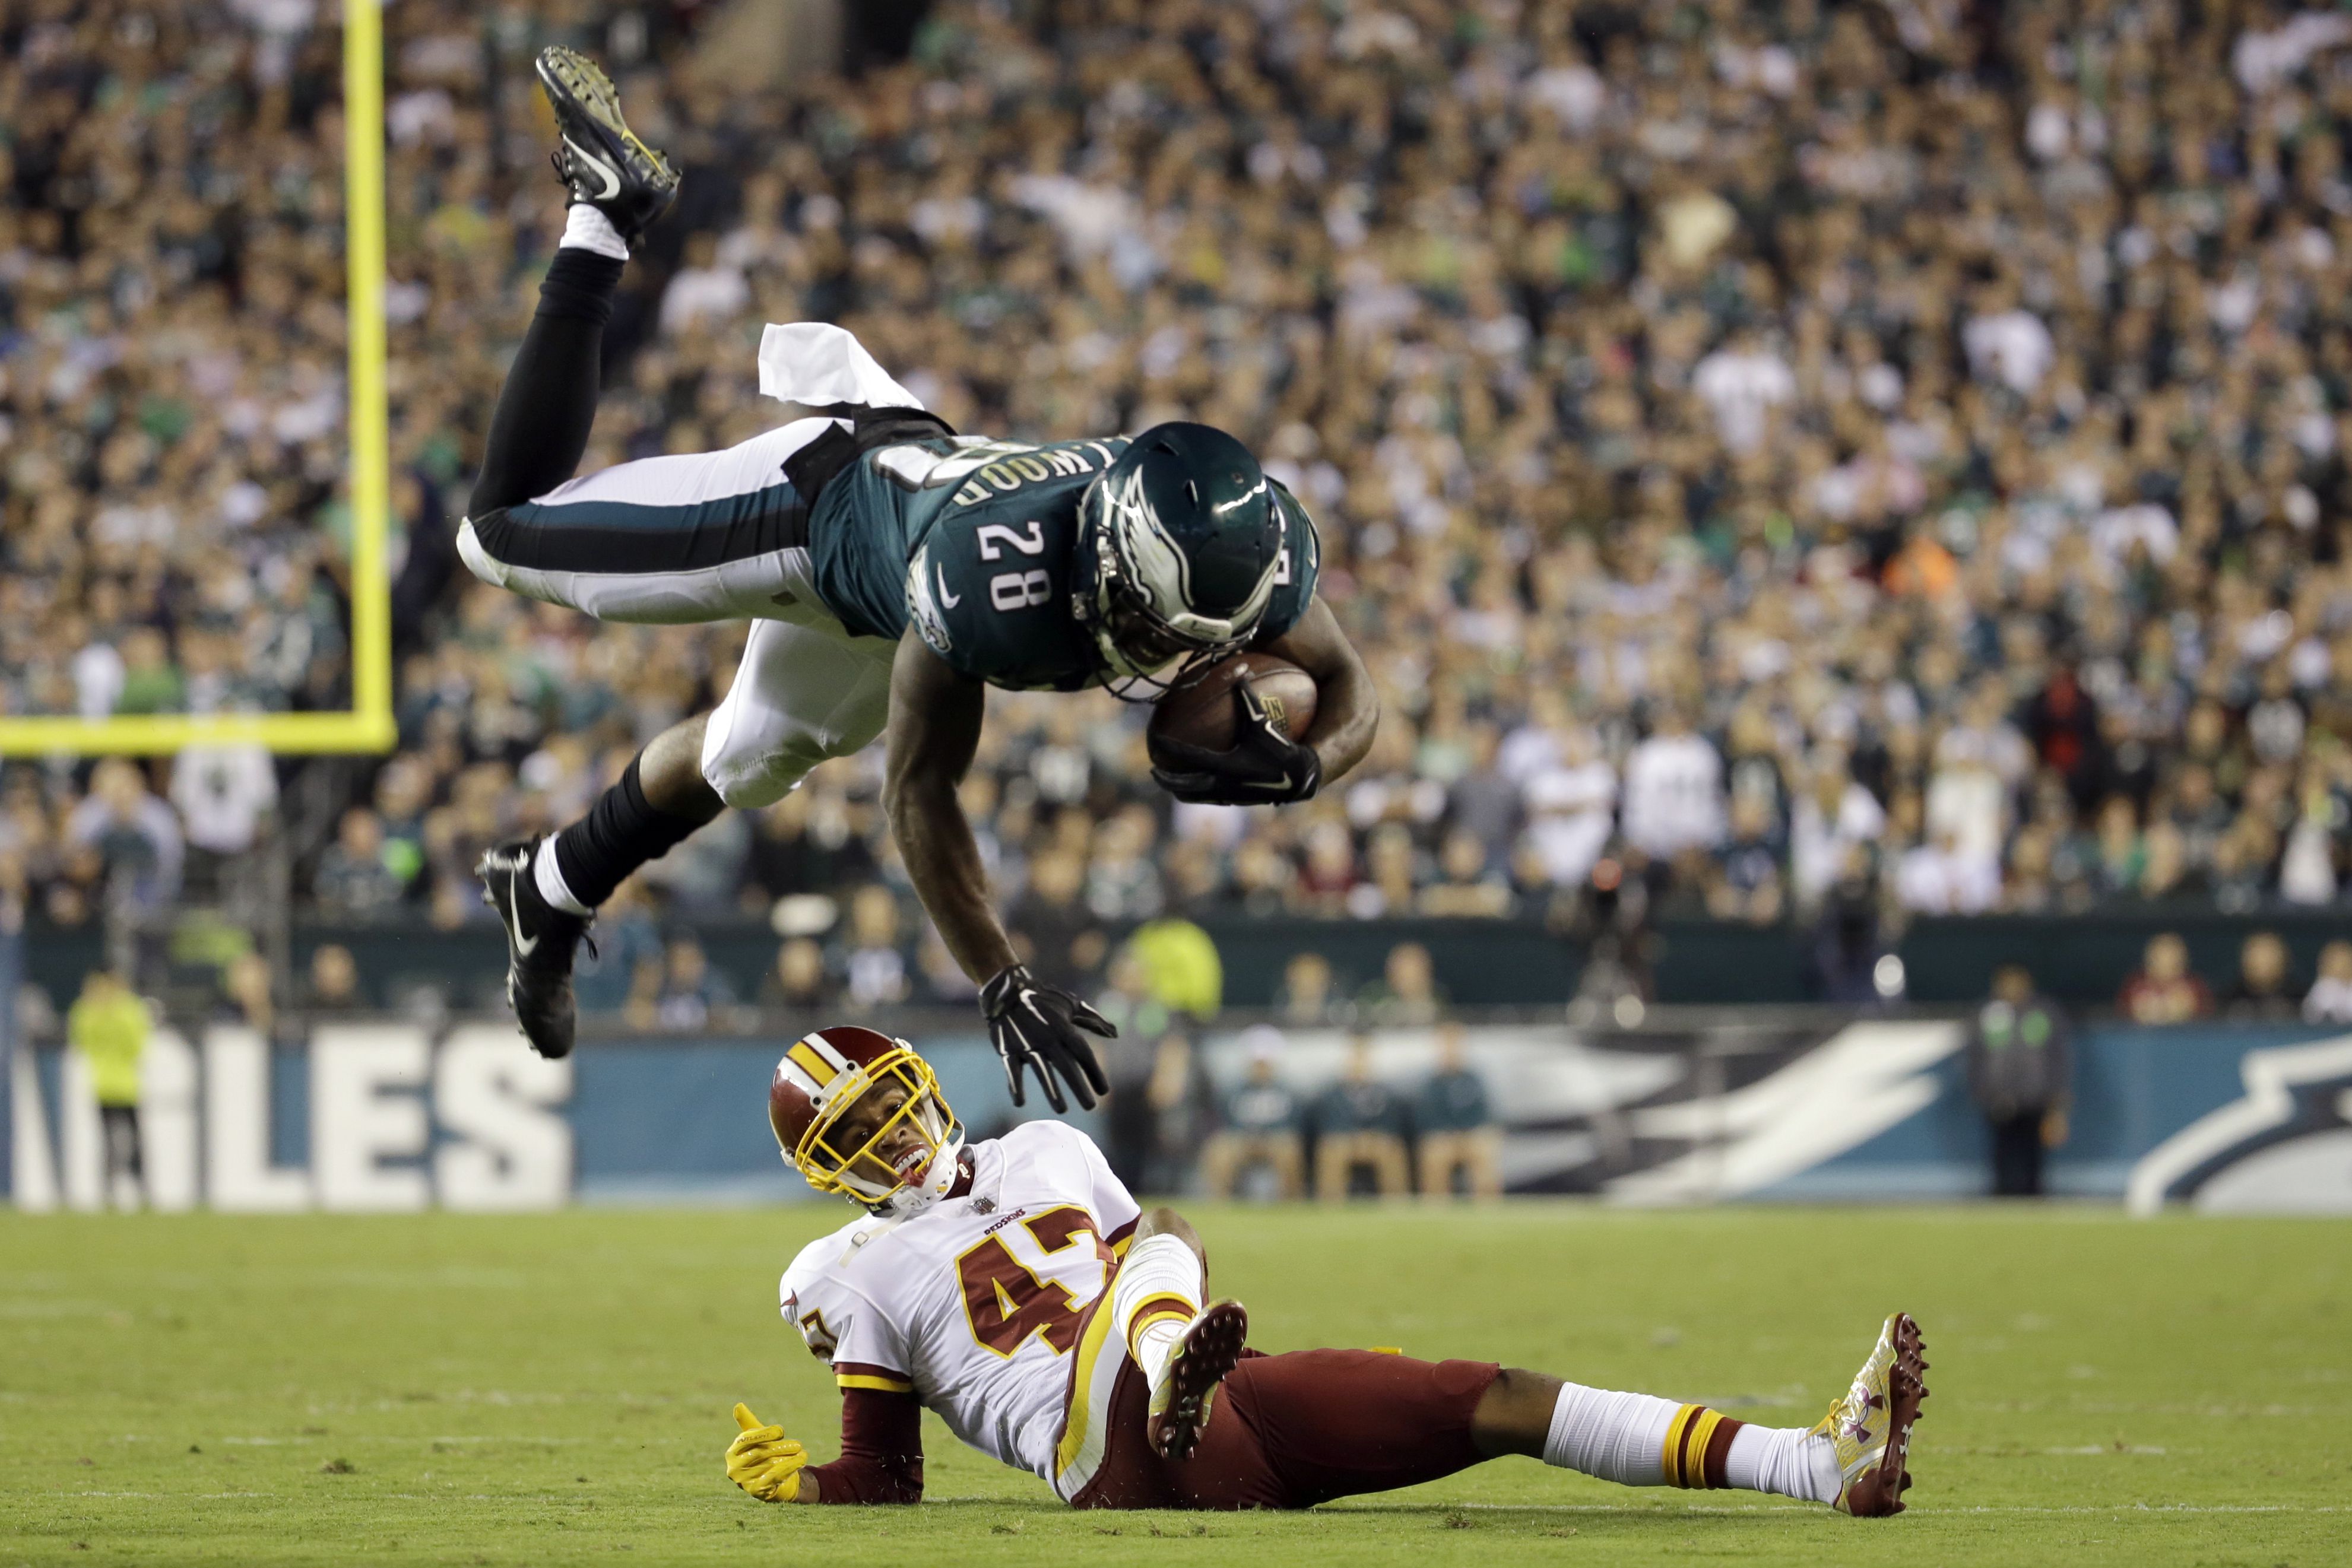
x,y
555,1389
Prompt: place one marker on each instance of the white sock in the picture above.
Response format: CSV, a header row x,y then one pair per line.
x,y
549,875
1789,1460
1157,1291
589,229
1619,1437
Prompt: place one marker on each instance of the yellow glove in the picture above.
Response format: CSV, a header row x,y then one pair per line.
x,y
763,1462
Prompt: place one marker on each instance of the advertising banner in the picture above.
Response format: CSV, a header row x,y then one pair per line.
x,y
393,1115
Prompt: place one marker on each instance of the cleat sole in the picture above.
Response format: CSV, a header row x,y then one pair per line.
x,y
1212,1349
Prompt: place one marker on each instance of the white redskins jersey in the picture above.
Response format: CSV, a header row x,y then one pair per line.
x,y
974,1304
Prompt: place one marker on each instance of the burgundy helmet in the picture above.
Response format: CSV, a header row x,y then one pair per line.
x,y
823,1074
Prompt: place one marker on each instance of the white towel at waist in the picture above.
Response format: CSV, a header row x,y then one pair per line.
x,y
816,365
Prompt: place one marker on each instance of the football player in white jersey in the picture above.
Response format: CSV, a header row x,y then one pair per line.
x,y
1014,1288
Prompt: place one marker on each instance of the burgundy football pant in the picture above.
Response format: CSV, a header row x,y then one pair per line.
x,y
1297,1429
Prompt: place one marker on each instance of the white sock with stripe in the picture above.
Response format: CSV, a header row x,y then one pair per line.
x,y
1618,1438
1790,1461
549,876
1157,1292
589,229
1640,1440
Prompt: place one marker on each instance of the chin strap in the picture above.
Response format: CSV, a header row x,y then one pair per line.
x,y
946,1165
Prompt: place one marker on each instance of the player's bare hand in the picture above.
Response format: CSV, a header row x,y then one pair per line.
x,y
1264,768
1037,1025
763,1462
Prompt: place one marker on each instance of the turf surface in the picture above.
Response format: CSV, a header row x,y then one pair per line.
x,y
553,1389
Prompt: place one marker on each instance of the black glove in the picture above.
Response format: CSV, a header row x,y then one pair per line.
x,y
1037,1026
1264,768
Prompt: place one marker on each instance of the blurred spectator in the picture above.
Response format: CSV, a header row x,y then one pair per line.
x,y
874,961
805,843
625,937
1850,952
1264,1125
1455,1126
1129,1060
353,881
245,995
1180,967
108,1027
1610,918
1129,1001
1183,1106
1674,791
334,987
1407,992
1122,884
691,994
1744,876
797,982
2163,990
1062,940
1571,805
702,874
2329,999
1484,805
1942,877
2265,986
1358,1123
132,838
2062,724
1304,999
1834,815
1466,885
942,979
2021,1071
223,794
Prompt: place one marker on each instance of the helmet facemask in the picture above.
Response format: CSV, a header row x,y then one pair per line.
x,y
920,1175
1130,594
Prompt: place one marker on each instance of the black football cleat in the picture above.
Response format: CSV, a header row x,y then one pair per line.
x,y
601,159
541,942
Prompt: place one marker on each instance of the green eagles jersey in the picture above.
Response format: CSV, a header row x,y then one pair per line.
x,y
971,539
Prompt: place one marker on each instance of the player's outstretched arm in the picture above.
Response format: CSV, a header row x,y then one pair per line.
x,y
935,718
936,713
1348,708
881,1455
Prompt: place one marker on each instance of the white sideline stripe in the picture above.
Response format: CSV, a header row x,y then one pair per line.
x,y
1807,1509
1668,1509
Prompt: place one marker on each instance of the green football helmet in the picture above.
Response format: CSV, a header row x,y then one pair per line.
x,y
1177,547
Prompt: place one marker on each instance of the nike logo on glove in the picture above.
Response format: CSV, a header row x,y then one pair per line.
x,y
946,598
1272,787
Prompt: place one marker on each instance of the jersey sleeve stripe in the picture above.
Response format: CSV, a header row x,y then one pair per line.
x,y
866,1380
1117,1240
865,1375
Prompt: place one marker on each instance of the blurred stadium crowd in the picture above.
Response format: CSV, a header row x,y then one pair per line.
x,y
1769,455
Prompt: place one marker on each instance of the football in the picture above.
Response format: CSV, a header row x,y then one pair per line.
x,y
1207,712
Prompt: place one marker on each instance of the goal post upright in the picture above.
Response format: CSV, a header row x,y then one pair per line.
x,y
368,725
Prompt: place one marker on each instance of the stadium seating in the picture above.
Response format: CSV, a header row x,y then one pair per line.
x,y
1851,457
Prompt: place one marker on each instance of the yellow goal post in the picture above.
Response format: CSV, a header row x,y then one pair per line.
x,y
368,725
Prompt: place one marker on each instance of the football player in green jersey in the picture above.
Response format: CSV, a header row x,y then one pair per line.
x,y
892,571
